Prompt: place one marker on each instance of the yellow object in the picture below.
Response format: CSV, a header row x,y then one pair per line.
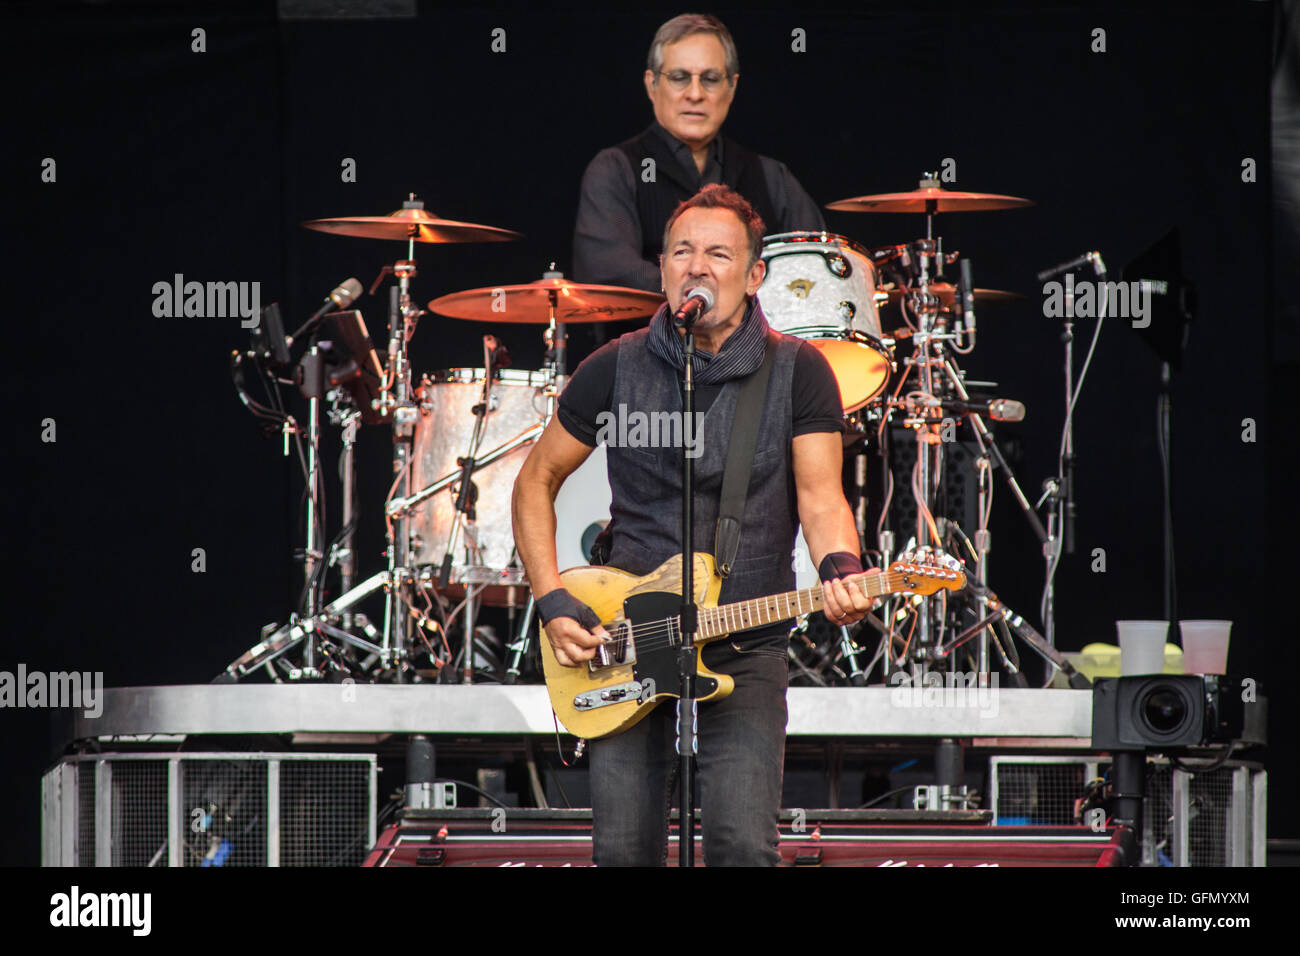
x,y
1102,660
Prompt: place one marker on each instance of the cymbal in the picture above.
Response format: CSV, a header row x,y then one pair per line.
x,y
414,224
531,303
928,199
947,292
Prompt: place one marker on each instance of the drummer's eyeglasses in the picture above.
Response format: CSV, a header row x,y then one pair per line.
x,y
711,80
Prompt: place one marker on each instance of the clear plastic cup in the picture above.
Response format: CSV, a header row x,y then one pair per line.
x,y
1142,646
1205,646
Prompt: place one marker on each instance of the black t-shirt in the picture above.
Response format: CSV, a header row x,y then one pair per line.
x,y
815,396
816,407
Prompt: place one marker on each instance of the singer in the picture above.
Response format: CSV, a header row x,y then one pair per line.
x,y
714,241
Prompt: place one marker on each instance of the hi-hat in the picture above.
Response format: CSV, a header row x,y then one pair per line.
x,y
928,199
412,223
531,303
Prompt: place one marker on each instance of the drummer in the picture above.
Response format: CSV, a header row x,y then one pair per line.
x,y
630,190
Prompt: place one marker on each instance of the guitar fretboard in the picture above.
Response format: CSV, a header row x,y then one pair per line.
x,y
714,622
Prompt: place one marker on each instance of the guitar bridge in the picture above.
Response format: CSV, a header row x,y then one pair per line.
x,y
619,650
616,694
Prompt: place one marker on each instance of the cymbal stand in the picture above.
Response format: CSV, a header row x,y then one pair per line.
x,y
556,339
395,401
926,367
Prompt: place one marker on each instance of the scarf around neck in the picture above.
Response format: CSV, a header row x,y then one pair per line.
x,y
740,355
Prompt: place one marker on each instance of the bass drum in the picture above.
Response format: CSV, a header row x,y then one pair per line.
x,y
822,287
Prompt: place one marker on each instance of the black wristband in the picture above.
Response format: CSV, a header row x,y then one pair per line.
x,y
560,603
839,564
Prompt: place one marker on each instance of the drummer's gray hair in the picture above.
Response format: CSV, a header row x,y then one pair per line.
x,y
719,196
687,24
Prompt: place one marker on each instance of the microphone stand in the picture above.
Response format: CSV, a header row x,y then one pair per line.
x,y
687,715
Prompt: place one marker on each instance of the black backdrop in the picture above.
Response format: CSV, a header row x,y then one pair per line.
x,y
171,161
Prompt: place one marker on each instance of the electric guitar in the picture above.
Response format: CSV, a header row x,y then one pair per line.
x,y
636,668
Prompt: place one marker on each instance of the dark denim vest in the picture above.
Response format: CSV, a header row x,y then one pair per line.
x,y
647,482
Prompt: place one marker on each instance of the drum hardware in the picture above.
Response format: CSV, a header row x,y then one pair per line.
x,y
944,327
412,223
331,365
380,394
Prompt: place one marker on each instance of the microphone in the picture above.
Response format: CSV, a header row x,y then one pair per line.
x,y
967,290
340,298
1076,263
698,301
998,409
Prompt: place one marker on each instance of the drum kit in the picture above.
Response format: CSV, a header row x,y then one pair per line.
x,y
460,435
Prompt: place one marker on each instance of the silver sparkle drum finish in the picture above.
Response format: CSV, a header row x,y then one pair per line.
x,y
821,287
485,547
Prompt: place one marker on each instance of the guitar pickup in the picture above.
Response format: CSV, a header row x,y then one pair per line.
x,y
619,649
603,697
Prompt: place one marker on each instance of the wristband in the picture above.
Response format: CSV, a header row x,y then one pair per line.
x,y
839,564
560,603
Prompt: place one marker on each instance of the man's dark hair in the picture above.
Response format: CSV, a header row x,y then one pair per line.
x,y
718,196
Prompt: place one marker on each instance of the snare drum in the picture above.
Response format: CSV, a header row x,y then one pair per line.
x,y
821,287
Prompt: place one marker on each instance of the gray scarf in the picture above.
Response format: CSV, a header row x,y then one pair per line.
x,y
739,356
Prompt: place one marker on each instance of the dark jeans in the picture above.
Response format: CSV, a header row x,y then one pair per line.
x,y
739,769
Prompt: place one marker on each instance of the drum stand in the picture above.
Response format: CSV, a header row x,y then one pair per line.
x,y
317,624
395,400
399,508
937,371
556,339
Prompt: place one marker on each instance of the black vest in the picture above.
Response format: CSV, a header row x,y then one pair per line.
x,y
646,481
742,170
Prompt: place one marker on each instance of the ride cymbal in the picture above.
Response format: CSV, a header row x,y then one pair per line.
x,y
928,199
530,303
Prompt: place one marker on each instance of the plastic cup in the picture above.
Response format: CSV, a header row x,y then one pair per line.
x,y
1142,646
1205,646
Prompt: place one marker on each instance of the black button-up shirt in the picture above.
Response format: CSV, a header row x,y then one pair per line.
x,y
607,236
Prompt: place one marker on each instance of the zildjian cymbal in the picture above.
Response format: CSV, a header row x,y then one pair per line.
x,y
928,199
531,303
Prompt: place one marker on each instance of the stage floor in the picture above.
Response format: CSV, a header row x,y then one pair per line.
x,y
1051,718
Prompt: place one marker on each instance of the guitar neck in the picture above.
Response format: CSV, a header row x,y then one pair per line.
x,y
716,622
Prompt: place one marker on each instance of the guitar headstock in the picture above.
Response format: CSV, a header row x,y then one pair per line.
x,y
926,571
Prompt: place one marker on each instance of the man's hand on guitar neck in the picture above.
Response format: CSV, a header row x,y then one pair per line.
x,y
844,600
572,628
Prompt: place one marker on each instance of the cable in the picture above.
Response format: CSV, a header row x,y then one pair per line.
x,y
1065,432
1214,764
470,786
885,796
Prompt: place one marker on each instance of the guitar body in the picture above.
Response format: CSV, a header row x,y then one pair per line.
x,y
622,692
636,667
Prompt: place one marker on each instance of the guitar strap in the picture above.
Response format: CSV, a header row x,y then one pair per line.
x,y
740,459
